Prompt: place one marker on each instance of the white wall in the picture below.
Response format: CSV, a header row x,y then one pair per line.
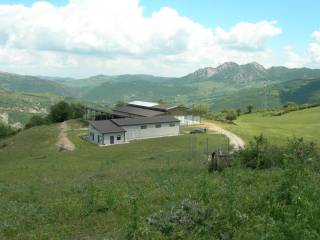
x,y
104,138
188,120
135,132
93,138
107,138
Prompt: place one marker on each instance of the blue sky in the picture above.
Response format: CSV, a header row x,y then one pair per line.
x,y
298,20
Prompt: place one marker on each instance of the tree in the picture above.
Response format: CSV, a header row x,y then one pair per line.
x,y
36,120
231,116
201,109
238,112
249,108
60,112
78,110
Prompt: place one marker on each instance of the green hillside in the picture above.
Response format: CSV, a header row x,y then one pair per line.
x,y
21,106
149,189
303,123
228,86
114,91
33,84
86,194
298,90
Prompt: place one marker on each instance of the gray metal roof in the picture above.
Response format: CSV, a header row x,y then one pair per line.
x,y
106,126
142,112
144,120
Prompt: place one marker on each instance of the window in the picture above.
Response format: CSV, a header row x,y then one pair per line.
x,y
143,127
158,125
172,124
119,137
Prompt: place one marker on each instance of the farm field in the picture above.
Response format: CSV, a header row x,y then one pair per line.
x,y
303,123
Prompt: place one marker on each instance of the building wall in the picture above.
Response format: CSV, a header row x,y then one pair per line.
x,y
188,120
116,141
135,132
94,135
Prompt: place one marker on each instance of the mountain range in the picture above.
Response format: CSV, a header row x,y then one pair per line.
x,y
229,85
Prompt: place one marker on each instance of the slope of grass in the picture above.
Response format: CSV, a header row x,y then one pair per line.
x,y
304,123
115,192
85,194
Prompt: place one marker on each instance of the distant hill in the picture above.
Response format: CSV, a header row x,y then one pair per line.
x,y
298,90
229,85
138,89
231,72
33,84
20,106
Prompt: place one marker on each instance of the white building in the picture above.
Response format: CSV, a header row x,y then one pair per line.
x,y
121,130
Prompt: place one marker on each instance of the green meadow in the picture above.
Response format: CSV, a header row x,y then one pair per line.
x,y
85,194
148,189
303,123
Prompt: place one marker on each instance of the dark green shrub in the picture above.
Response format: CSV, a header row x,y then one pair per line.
x,y
37,120
60,112
260,154
63,111
6,131
77,110
231,116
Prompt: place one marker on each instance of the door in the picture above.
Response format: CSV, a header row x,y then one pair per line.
x,y
111,139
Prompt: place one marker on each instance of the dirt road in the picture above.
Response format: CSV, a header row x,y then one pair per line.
x,y
235,140
64,143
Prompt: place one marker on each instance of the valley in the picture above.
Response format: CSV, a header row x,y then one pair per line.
x,y
229,86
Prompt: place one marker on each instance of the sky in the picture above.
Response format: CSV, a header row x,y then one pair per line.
x,y
81,38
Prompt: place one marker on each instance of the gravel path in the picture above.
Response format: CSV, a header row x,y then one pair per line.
x,y
235,140
64,143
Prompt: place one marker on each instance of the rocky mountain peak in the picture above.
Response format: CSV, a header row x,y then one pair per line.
x,y
204,72
257,66
227,65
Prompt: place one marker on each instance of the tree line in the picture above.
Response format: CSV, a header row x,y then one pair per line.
x,y
60,112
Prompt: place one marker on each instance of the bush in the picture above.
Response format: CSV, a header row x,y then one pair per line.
x,y
63,111
60,112
261,154
185,217
77,110
231,116
37,120
6,131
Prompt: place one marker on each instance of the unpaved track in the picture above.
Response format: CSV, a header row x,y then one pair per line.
x,y
64,142
235,140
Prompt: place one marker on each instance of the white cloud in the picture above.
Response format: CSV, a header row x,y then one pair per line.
x,y
293,59
248,36
112,36
316,35
311,57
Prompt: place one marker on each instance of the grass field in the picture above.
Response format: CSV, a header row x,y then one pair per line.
x,y
47,194
150,189
303,123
